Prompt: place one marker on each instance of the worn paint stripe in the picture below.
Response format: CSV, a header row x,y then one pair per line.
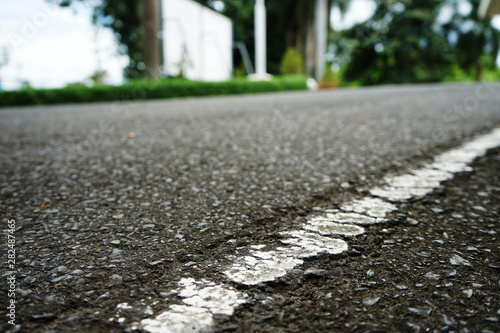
x,y
204,299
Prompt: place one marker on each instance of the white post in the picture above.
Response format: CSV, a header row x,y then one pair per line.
x,y
260,41
321,20
260,37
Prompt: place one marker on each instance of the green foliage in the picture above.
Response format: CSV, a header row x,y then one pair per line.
x,y
492,75
329,75
457,74
123,17
76,85
402,43
240,71
141,90
98,77
292,62
330,79
478,42
287,23
405,42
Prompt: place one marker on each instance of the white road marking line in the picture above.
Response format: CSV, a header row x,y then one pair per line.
x,y
433,174
373,207
203,299
315,243
421,182
328,228
397,194
262,267
411,181
336,216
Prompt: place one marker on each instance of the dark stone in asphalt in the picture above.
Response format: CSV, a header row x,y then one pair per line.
x,y
315,272
44,317
204,179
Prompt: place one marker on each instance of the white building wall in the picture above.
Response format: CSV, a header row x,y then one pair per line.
x,y
198,39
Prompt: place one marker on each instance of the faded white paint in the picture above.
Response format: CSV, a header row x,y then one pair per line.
x,y
266,266
203,299
315,243
262,267
352,218
397,194
331,228
373,207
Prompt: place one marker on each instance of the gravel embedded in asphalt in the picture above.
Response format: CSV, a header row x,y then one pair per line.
x,y
105,217
440,274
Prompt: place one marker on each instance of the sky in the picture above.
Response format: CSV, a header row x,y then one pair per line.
x,y
50,47
359,11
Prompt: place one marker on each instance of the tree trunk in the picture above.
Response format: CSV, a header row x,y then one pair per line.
x,y
151,43
321,19
310,48
298,40
479,72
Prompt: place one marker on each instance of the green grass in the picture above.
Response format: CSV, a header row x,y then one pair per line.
x,y
142,90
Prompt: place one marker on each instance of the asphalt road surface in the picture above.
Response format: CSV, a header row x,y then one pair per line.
x,y
111,205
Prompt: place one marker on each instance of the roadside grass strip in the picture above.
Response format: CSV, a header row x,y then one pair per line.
x,y
204,299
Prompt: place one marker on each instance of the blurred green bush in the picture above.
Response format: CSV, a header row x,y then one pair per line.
x,y
292,62
142,90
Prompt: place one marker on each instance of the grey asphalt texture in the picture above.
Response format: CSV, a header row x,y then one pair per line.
x,y
116,202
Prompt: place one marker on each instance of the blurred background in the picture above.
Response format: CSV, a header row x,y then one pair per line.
x,y
56,43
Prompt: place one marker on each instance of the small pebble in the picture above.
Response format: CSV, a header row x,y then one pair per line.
x,y
116,252
450,272
106,295
414,327
44,317
315,272
456,260
480,208
448,321
431,276
371,301
424,312
62,269
116,279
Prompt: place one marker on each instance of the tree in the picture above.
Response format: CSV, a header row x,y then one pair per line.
x,y
401,43
151,51
4,60
476,41
292,62
123,17
289,22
